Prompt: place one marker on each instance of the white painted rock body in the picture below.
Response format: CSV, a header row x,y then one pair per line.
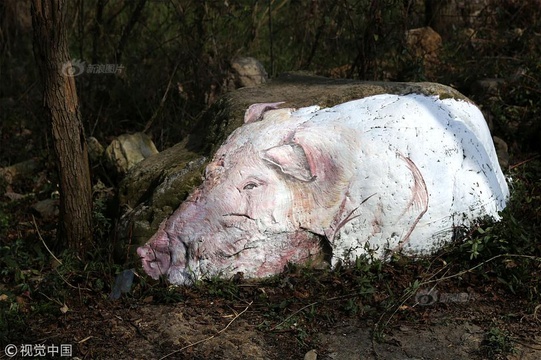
x,y
379,174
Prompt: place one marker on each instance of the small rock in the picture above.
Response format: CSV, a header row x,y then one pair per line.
x,y
95,149
13,196
487,88
24,169
47,209
423,42
129,149
404,328
248,72
123,283
311,355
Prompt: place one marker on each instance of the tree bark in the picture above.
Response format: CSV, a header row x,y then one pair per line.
x,y
62,110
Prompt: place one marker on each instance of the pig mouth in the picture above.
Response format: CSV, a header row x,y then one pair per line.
x,y
239,215
183,258
235,245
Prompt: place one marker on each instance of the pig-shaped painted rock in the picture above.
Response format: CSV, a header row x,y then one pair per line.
x,y
380,174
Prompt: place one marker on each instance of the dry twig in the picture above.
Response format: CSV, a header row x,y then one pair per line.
x,y
295,313
523,162
58,260
43,241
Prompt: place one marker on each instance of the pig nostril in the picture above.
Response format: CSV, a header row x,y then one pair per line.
x,y
144,252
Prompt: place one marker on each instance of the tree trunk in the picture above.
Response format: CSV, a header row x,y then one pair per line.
x,y
62,109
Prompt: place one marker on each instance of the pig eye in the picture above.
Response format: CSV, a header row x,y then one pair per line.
x,y
250,186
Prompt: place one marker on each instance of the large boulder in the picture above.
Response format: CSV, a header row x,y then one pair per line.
x,y
155,187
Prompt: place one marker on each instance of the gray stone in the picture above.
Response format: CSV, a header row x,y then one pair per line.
x,y
15,172
95,149
47,209
310,355
129,149
487,88
248,72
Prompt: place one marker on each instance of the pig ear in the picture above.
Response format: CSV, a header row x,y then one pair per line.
x,y
291,159
255,111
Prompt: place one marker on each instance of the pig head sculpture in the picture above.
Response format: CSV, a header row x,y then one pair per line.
x,y
380,174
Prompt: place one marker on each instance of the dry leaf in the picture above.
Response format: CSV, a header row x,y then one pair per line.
x,y
64,309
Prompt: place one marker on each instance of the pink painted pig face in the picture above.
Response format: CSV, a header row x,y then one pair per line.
x,y
241,219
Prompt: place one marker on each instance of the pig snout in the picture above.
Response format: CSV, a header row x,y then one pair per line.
x,y
155,255
161,256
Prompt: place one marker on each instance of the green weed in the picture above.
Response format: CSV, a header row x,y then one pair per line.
x,y
497,342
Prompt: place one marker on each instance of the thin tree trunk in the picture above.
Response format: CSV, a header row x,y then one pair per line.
x,y
62,110
127,30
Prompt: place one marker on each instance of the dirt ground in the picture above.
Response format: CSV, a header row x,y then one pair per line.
x,y
203,326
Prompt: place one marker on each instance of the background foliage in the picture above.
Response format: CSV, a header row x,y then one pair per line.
x,y
175,54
